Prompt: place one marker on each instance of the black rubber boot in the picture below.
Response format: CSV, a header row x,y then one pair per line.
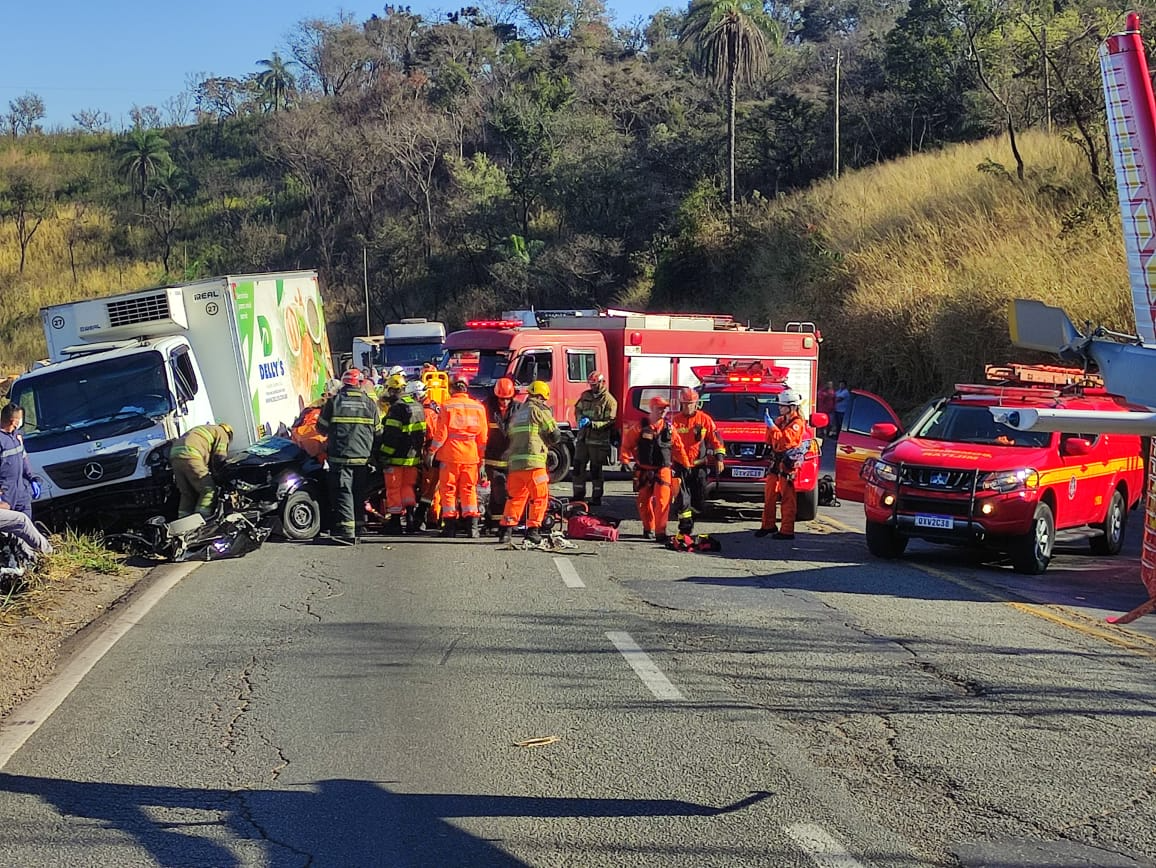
x,y
419,516
503,534
411,521
393,526
533,536
449,528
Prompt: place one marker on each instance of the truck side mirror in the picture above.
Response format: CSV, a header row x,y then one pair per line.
x,y
885,431
820,421
1075,446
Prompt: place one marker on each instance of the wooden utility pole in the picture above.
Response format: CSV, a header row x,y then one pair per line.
x,y
838,71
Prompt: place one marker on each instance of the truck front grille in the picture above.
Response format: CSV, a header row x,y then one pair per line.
x,y
746,451
94,470
938,479
933,506
131,311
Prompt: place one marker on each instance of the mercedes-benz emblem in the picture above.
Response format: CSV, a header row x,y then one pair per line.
x,y
93,471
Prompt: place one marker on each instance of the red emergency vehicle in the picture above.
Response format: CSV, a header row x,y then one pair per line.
x,y
641,354
739,396
960,476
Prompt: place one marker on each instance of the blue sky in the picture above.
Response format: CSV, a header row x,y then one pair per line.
x,y
111,55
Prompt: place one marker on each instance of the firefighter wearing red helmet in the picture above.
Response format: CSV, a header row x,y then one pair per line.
x,y
349,420
500,406
653,449
696,429
786,438
595,410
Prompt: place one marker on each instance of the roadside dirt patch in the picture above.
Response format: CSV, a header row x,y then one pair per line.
x,y
34,640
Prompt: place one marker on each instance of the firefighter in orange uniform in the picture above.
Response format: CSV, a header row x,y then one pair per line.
x,y
696,430
459,444
652,448
428,501
786,437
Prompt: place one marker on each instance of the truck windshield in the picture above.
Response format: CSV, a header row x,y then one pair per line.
x,y
959,423
480,367
412,355
102,399
738,406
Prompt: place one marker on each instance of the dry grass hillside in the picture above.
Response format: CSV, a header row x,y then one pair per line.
x,y
921,256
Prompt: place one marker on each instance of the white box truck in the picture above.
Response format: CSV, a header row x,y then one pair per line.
x,y
128,373
411,343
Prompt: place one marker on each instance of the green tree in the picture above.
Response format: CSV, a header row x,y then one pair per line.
x,y
277,82
730,41
28,188
143,155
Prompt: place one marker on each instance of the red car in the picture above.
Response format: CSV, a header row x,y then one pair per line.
x,y
959,476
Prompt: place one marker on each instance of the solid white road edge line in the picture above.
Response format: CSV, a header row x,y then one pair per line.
x,y
820,847
570,577
644,667
28,717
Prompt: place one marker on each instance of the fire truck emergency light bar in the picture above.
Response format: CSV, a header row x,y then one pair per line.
x,y
494,324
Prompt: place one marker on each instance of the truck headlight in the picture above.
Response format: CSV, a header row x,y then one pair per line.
x,y
878,471
1009,480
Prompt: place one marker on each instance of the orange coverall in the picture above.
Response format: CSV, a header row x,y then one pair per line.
x,y
429,475
644,444
459,443
788,432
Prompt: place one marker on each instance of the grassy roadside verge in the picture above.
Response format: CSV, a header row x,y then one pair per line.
x,y
76,554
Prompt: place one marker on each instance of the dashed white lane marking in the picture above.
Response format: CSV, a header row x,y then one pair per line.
x,y
644,667
820,847
569,575
29,717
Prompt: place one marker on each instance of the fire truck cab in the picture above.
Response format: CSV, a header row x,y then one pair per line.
x,y
959,475
641,354
740,396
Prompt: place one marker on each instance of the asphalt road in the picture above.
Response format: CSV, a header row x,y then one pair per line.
x,y
793,704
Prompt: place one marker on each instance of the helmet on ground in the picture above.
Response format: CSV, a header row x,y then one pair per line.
x,y
789,397
352,377
395,381
688,396
416,388
541,389
504,388
332,386
596,378
228,429
658,403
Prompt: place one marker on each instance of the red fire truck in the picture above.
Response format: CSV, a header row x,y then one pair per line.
x,y
642,355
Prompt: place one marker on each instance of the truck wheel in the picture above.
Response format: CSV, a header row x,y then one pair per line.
x,y
1031,552
300,516
807,504
558,462
884,541
1115,520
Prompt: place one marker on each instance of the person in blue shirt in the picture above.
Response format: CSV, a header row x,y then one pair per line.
x,y
19,486
842,404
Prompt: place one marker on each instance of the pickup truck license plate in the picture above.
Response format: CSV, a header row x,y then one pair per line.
x,y
748,472
939,522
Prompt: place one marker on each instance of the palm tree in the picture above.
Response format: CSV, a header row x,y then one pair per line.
x,y
730,41
143,155
277,81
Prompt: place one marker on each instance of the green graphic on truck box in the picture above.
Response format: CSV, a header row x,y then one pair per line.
x,y
282,329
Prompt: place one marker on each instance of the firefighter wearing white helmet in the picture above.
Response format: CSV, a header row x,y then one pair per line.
x,y
787,439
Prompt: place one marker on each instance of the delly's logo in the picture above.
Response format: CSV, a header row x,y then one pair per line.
x,y
271,370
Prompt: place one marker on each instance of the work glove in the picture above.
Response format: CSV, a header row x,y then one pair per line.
x,y
584,422
35,489
719,466
482,478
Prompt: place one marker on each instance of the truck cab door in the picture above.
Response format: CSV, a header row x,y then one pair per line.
x,y
193,406
536,364
1083,493
856,445
580,364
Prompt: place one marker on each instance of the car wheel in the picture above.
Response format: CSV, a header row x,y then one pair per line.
x,y
807,504
1032,552
1115,520
884,541
558,462
300,516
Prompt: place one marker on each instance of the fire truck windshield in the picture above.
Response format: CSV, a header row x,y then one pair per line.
x,y
480,367
958,423
739,406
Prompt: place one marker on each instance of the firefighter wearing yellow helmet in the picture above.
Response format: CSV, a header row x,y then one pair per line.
x,y
194,457
532,432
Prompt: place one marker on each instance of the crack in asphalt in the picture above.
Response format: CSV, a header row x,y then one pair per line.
x,y
246,813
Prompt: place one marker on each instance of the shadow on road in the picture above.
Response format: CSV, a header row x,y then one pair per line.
x,y
333,822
